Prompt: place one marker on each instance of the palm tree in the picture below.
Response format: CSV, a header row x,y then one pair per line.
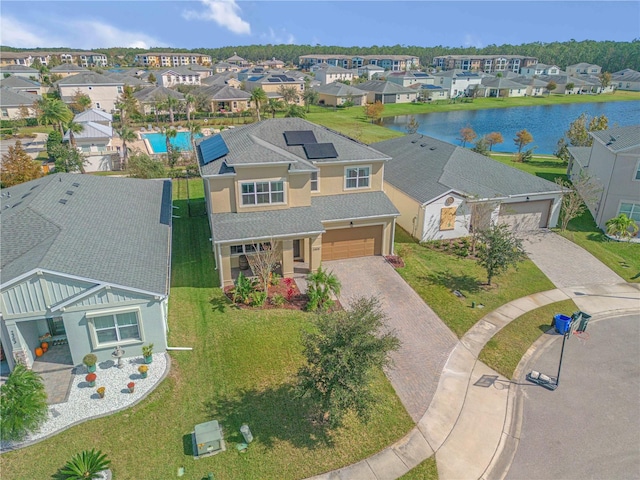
x,y
189,101
194,129
126,134
87,464
168,135
274,105
622,227
172,104
321,284
258,97
23,404
310,97
54,112
74,127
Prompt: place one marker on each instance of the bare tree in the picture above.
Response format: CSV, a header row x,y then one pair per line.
x,y
479,219
263,261
575,197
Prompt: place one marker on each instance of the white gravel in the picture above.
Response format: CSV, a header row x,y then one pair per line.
x,y
84,403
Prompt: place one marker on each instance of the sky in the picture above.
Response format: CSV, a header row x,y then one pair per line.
x,y
87,24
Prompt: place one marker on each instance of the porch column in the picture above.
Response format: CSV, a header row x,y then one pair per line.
x,y
225,267
287,258
315,253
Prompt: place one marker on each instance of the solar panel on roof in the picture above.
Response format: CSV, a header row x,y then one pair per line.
x,y
274,80
299,137
213,148
320,150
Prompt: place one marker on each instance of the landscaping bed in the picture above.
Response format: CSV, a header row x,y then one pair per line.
x,y
283,294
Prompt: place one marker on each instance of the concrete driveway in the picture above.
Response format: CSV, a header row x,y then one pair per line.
x,y
565,263
33,146
426,340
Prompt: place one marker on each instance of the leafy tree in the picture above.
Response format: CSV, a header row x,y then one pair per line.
x,y
598,123
374,111
85,465
273,106
18,167
80,102
320,286
289,94
126,134
578,132
342,355
493,138
295,111
574,197
481,147
258,97
467,135
142,165
523,157
605,79
23,404
562,150
523,137
54,139
413,125
622,227
68,159
499,250
551,86
151,78
310,97
127,104
570,86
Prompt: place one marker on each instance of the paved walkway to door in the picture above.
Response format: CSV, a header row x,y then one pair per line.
x,y
565,263
426,340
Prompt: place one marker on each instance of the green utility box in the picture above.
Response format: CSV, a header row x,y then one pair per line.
x,y
208,439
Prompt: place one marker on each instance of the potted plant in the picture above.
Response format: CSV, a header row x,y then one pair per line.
x,y
147,353
91,378
143,369
100,391
90,362
130,386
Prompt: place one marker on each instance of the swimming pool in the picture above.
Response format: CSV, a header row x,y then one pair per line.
x,y
158,141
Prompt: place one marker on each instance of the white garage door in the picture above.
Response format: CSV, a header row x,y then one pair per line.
x,y
524,216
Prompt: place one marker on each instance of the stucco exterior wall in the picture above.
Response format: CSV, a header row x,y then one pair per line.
x,y
411,214
331,178
103,95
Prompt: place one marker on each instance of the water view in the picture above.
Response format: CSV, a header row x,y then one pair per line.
x,y
546,123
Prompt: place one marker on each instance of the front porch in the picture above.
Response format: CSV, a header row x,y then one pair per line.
x,y
56,368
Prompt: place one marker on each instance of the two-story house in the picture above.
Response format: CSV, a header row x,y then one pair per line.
x,y
178,76
331,74
102,90
458,82
613,163
540,69
316,194
626,79
583,69
273,83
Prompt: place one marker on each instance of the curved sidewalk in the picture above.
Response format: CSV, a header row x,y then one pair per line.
x,y
467,425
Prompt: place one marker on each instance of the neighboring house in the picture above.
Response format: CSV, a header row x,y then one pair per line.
x,y
332,74
223,98
315,192
483,63
225,67
158,59
178,76
583,69
369,71
540,69
337,93
534,86
428,93
458,82
204,71
501,87
434,184
386,92
579,85
251,72
152,98
626,79
21,85
66,70
94,115
273,63
272,84
94,141
17,105
237,60
130,81
407,79
102,90
226,78
19,71
85,259
24,58
613,163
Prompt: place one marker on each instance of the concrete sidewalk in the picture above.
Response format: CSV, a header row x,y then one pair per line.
x,y
471,417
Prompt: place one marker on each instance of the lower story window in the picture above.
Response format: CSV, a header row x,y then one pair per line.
x,y
631,210
116,327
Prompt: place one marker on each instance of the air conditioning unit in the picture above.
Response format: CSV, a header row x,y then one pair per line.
x,y
207,439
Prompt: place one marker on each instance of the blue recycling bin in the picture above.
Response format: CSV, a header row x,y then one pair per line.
x,y
562,323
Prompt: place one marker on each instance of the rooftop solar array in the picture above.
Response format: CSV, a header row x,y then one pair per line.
x,y
316,151
299,137
280,79
213,148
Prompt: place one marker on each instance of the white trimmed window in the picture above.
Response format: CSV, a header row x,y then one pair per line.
x,y
248,248
357,177
115,327
262,193
314,182
631,210
637,177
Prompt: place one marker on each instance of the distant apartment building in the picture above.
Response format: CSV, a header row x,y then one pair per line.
x,y
484,63
160,59
395,63
80,58
583,69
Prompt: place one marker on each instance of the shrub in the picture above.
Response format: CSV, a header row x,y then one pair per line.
x,y
277,300
89,359
320,285
86,464
258,298
244,286
23,404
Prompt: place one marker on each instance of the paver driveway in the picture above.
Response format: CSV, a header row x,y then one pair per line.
x,y
565,263
426,340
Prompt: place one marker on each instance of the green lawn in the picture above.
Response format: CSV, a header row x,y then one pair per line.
x,y
427,470
240,371
548,167
505,349
434,275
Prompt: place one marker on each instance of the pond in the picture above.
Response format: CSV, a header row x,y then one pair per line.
x,y
546,123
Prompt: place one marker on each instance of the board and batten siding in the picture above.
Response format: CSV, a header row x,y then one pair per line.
x,y
26,297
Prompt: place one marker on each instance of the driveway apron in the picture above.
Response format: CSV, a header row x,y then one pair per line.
x,y
426,340
565,263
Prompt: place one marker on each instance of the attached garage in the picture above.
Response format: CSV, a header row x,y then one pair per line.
x,y
351,242
524,216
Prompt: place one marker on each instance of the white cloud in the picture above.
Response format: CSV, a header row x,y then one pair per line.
x,y
472,41
278,37
225,13
78,33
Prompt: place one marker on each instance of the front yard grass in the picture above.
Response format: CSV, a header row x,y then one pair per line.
x,y
240,371
426,470
435,275
548,167
505,349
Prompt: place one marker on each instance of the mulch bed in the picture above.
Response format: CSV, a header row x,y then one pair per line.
x,y
395,261
294,299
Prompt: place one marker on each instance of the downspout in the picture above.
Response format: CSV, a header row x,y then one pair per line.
x,y
220,269
393,234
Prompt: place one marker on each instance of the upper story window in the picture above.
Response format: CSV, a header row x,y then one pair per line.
x,y
314,182
119,89
357,177
262,193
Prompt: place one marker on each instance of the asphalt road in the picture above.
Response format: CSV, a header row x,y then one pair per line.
x,y
31,146
589,427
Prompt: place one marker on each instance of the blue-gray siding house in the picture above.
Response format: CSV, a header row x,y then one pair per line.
x,y
86,260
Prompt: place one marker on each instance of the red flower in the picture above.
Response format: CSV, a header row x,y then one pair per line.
x,y
130,384
288,281
290,292
91,377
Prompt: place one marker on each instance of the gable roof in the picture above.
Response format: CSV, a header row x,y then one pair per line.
x,y
339,90
67,67
618,139
19,69
626,75
13,81
380,86
91,130
179,71
11,98
151,94
93,115
113,230
88,78
224,92
426,168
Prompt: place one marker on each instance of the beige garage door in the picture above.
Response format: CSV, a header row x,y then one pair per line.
x,y
351,242
526,215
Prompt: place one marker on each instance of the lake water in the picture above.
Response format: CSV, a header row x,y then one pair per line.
x,y
546,123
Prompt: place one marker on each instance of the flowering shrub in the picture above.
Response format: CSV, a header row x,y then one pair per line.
x,y
91,377
100,390
143,369
130,385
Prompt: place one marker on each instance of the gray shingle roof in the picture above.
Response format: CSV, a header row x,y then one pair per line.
x,y
618,139
224,92
11,98
427,172
339,90
20,69
88,78
67,67
581,155
114,230
179,70
626,75
18,82
380,86
353,205
151,94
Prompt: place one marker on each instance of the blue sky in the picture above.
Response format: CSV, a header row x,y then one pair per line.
x,y
218,23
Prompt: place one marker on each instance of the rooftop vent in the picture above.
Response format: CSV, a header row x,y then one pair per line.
x,y
423,144
62,201
75,184
432,148
69,192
